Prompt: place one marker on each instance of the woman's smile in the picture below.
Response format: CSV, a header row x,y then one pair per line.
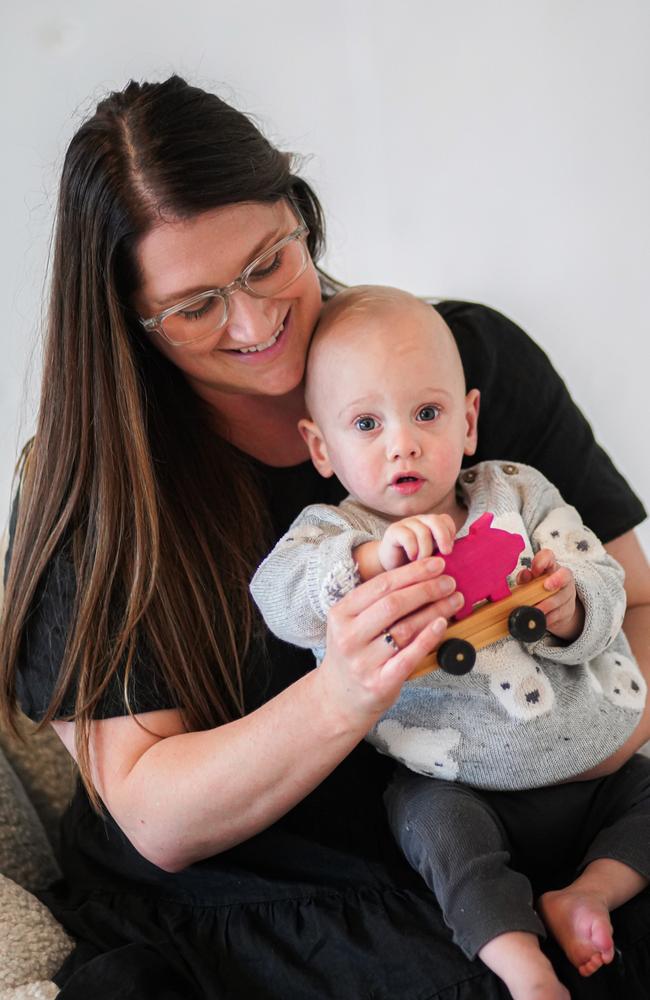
x,y
265,351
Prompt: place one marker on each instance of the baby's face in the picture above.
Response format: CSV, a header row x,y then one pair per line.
x,y
392,418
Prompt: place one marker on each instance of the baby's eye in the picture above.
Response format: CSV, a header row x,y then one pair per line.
x,y
365,423
428,413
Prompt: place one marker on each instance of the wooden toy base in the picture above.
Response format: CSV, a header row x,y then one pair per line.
x,y
489,621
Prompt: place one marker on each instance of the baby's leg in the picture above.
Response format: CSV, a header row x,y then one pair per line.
x,y
616,868
456,841
518,960
578,916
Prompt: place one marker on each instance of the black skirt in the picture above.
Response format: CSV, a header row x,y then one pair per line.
x,y
319,906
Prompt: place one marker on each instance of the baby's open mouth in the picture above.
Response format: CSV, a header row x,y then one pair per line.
x,y
407,483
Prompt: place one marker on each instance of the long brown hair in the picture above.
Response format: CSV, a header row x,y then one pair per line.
x,y
159,516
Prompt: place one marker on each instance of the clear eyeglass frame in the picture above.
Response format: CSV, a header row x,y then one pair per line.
x,y
155,323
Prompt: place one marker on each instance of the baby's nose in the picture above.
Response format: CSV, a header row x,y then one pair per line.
x,y
403,444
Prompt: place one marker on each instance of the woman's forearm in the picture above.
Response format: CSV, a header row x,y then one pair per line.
x,y
636,625
195,794
181,796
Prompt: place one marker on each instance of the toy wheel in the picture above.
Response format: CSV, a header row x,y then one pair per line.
x,y
527,624
456,656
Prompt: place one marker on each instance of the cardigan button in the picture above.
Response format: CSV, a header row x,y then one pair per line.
x,y
510,470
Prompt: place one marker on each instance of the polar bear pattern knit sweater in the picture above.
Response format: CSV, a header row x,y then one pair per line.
x,y
526,715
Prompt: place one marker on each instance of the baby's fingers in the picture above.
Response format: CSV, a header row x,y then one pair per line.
x,y
560,605
406,539
443,529
543,562
561,579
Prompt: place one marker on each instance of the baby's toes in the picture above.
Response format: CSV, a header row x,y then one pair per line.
x,y
594,963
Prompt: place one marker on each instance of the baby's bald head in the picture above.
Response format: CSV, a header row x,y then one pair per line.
x,y
381,320
385,391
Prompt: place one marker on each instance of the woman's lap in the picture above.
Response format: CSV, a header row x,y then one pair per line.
x,y
364,943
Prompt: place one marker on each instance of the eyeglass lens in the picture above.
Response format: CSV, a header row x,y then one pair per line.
x,y
273,272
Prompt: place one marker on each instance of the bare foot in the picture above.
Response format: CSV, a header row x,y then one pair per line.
x,y
519,961
580,922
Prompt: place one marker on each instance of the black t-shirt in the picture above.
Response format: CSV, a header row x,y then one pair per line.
x,y
320,903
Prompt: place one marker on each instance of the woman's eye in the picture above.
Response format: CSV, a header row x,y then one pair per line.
x,y
266,267
365,423
203,310
428,413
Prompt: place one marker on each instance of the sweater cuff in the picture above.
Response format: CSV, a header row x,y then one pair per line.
x,y
334,573
603,621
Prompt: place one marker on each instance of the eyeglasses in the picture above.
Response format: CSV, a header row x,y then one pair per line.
x,y
202,315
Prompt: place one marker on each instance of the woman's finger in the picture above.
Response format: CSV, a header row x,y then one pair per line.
x,y
431,596
399,667
394,580
411,625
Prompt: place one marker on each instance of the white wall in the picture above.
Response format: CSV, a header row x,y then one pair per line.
x,y
496,150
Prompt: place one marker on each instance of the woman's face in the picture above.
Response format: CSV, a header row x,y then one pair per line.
x,y
180,258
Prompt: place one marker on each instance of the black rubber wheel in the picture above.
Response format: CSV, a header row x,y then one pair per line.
x,y
457,656
527,624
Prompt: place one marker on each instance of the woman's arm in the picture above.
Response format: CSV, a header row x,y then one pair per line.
x,y
628,552
181,796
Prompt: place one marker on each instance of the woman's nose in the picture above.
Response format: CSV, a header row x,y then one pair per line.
x,y
251,321
403,444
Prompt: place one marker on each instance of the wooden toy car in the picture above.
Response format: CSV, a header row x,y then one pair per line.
x,y
515,615
480,563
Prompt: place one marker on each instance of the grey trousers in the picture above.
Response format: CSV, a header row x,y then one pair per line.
x,y
487,854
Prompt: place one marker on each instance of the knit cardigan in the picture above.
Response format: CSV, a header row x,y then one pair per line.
x,y
526,715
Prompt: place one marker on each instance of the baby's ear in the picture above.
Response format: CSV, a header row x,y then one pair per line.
x,y
472,406
317,447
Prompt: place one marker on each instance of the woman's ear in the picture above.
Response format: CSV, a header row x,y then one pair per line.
x,y
317,447
472,405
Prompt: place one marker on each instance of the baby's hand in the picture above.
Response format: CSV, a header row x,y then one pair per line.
x,y
565,615
416,538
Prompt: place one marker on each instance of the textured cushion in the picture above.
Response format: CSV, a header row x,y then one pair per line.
x,y
36,781
26,855
46,771
32,944
32,991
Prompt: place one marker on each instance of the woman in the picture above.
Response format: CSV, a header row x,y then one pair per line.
x,y
237,845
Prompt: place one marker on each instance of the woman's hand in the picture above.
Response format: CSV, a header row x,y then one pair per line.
x,y
378,634
416,538
565,616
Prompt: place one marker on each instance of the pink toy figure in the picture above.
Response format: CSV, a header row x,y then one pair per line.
x,y
481,561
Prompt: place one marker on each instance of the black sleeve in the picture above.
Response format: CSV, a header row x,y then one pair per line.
x,y
527,415
43,645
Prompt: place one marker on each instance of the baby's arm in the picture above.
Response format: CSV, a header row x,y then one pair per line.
x,y
598,579
309,570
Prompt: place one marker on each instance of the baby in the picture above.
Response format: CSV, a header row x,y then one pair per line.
x,y
486,754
